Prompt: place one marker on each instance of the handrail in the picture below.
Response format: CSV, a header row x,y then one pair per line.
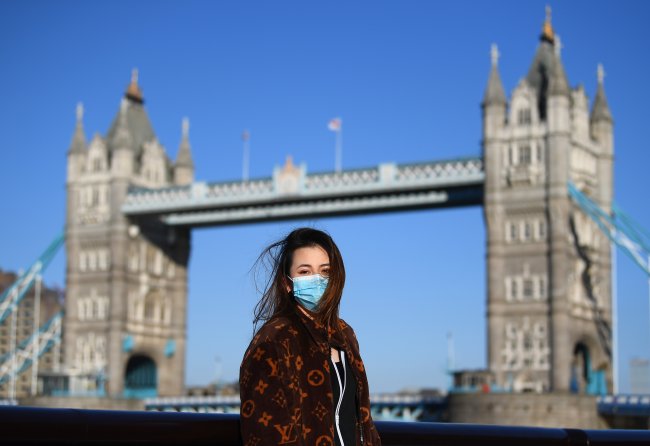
x,y
40,426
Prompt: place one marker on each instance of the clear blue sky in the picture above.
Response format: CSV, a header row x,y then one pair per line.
x,y
407,78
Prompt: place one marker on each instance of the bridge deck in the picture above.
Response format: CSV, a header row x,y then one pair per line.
x,y
292,193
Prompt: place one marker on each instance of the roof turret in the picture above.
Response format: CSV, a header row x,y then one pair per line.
x,y
184,156
78,144
600,110
136,118
494,93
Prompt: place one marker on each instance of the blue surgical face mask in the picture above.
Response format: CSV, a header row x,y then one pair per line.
x,y
308,290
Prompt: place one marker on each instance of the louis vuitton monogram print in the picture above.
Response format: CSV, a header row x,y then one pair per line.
x,y
285,385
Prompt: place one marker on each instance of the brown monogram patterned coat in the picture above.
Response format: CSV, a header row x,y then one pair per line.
x,y
285,387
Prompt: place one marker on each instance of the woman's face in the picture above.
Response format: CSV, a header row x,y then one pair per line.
x,y
308,261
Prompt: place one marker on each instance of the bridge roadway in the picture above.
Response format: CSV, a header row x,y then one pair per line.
x,y
291,193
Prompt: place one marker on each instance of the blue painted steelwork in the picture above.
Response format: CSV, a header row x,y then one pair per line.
x,y
48,335
626,405
597,383
618,227
170,348
14,294
128,343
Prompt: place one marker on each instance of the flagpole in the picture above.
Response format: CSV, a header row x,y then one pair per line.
x,y
450,360
337,161
246,156
336,126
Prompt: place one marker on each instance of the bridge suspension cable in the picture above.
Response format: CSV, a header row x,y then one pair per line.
x,y
630,236
12,296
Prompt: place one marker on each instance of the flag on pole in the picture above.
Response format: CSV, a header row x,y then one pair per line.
x,y
335,124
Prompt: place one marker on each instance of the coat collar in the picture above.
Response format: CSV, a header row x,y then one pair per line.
x,y
323,336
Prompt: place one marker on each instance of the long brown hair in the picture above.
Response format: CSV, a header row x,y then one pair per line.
x,y
276,261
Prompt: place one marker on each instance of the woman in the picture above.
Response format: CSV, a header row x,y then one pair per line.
x,y
302,380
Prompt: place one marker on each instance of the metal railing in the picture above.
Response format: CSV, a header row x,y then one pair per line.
x,y
38,426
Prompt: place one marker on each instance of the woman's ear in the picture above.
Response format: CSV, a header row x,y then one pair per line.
x,y
287,284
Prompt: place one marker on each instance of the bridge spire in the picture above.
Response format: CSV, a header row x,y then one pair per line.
x,y
184,165
548,35
600,110
78,144
133,91
494,93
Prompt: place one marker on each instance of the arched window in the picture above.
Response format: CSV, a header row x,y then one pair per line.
x,y
140,379
524,116
513,232
528,288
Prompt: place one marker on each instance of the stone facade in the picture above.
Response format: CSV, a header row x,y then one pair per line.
x,y
126,281
88,403
549,267
540,410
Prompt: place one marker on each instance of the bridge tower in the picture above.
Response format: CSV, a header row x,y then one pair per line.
x,y
549,267
125,321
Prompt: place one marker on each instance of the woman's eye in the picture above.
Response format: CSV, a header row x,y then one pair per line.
x,y
325,272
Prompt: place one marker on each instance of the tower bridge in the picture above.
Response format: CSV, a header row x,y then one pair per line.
x,y
131,209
